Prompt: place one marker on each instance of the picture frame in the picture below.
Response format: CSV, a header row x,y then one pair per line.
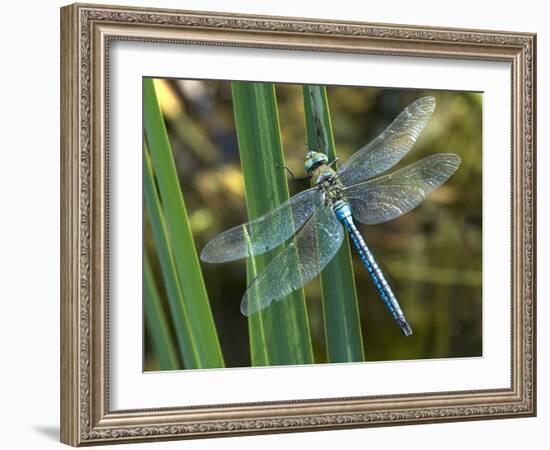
x,y
87,34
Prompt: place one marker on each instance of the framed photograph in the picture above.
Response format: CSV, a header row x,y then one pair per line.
x,y
276,225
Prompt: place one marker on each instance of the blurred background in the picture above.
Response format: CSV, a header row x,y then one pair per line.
x,y
431,256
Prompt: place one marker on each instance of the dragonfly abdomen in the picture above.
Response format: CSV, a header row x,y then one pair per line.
x,y
343,213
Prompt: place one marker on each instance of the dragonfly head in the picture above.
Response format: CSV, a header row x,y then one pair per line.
x,y
314,159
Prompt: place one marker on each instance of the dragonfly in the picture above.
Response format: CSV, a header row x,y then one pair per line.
x,y
312,224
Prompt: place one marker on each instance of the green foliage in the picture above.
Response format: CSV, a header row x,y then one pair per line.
x,y
186,265
438,287
344,342
178,310
156,322
280,334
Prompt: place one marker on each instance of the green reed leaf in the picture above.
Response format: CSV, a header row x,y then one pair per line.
x,y
156,321
201,321
279,334
341,313
180,315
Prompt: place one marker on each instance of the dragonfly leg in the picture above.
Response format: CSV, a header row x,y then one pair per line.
x,y
333,162
295,178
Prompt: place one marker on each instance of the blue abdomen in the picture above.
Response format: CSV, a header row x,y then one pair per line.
x,y
343,213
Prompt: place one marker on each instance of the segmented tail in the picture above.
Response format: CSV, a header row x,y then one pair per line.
x,y
343,212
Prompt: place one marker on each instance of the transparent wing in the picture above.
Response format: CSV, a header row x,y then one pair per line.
x,y
390,146
264,233
302,260
392,195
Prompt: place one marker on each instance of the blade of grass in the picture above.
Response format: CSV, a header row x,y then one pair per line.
x,y
344,341
188,268
258,340
156,322
280,334
180,316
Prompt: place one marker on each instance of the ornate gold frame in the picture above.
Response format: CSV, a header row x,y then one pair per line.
x,y
86,31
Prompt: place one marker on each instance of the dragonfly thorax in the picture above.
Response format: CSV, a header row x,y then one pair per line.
x,y
325,179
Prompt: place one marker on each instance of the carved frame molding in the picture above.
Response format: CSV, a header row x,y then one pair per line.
x,y
86,32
